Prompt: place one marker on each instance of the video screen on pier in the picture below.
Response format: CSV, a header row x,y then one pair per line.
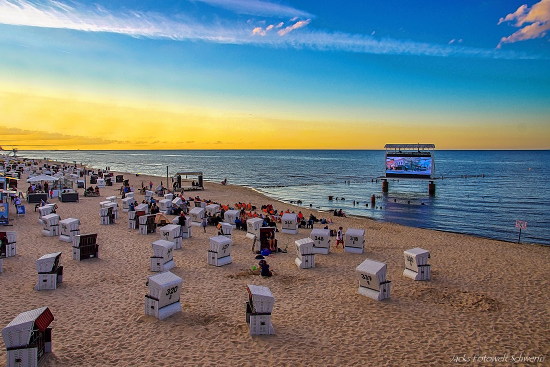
x,y
412,166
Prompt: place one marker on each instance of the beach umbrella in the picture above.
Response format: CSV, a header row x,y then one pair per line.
x,y
40,178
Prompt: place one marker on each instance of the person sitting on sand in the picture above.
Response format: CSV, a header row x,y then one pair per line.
x,y
97,190
264,269
238,223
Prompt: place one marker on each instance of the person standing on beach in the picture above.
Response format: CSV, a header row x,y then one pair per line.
x,y
203,224
339,237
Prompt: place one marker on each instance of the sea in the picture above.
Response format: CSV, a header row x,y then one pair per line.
x,y
481,193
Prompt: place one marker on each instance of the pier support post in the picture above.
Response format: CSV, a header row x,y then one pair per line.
x,y
385,186
431,188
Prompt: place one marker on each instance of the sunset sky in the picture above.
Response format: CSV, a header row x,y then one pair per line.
x,y
280,74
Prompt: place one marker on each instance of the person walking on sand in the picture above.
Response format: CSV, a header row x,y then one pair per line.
x,y
203,224
150,185
339,237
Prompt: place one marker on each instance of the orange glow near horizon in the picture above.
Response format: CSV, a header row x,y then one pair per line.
x,y
46,122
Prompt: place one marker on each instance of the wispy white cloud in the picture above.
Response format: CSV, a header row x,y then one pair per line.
x,y
53,14
263,31
258,7
534,22
50,14
297,25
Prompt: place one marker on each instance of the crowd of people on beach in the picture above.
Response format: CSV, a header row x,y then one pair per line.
x,y
270,215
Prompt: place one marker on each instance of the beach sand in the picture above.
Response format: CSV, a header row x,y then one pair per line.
x,y
486,299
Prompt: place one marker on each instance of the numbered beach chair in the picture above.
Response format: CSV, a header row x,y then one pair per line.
x,y
258,310
212,209
304,250
321,241
45,210
172,233
267,234
289,222
185,228
50,225
147,224
68,229
107,215
165,206
354,241
372,280
197,214
163,297
126,203
163,257
253,226
416,264
219,253
226,229
230,216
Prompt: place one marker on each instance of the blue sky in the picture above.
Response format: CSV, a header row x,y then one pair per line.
x,y
451,72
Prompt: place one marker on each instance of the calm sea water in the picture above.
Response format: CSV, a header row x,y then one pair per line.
x,y
515,184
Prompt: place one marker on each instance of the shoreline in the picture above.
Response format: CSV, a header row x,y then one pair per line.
x,y
324,212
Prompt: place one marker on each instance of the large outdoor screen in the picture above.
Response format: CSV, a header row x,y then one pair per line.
x,y
408,165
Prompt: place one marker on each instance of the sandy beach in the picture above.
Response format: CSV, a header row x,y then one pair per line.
x,y
487,299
